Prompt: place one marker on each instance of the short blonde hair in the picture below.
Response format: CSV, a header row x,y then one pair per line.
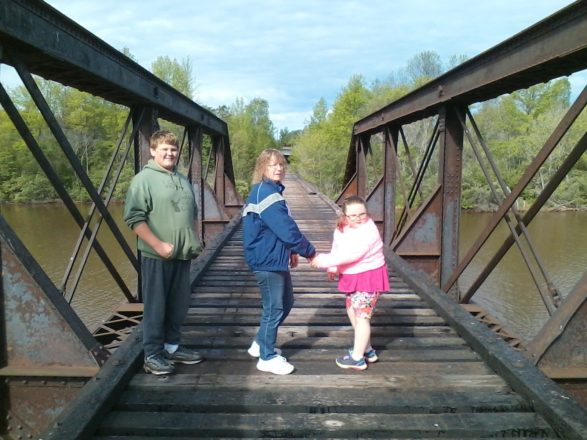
x,y
163,137
263,160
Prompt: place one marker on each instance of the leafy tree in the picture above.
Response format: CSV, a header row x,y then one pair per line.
x,y
286,137
515,127
251,131
539,98
319,112
423,67
320,151
178,75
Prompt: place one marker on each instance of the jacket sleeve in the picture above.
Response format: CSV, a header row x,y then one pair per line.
x,y
137,204
345,250
277,218
333,249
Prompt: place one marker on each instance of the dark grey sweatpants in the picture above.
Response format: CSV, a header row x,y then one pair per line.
x,y
166,297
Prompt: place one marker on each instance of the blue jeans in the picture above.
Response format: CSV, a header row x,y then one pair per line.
x,y
277,298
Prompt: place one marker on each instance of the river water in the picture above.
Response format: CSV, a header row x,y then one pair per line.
x,y
560,240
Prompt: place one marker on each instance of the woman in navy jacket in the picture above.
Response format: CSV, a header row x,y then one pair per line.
x,y
272,243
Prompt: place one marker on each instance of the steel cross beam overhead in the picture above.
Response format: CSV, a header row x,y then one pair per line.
x,y
553,47
55,47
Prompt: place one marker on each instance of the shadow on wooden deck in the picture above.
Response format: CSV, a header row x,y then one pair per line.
x,y
440,373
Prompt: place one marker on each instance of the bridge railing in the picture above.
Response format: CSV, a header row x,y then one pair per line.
x,y
36,39
426,230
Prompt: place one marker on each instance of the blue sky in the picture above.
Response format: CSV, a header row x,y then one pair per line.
x,y
294,52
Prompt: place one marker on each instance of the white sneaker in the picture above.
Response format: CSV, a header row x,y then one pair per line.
x,y
275,365
255,351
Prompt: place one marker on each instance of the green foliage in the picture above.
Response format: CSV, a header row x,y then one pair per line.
x,y
287,137
515,127
178,75
320,151
91,126
423,67
251,131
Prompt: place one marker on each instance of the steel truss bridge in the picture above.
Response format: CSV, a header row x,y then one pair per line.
x,y
447,368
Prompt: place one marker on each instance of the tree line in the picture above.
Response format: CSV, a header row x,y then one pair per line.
x,y
514,127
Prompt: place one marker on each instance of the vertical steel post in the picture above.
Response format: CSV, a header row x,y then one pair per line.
x,y
195,175
144,127
450,171
219,176
390,179
362,146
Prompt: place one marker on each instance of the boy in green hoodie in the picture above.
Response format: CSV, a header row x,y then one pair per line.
x,y
160,208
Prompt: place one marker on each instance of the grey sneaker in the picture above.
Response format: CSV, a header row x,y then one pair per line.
x,y
157,364
184,356
347,361
370,356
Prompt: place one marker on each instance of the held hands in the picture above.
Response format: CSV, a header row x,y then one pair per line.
x,y
294,259
314,261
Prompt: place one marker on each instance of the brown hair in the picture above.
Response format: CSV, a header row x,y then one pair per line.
x,y
263,160
163,137
342,220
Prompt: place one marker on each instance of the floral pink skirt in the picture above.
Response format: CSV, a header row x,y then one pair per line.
x,y
376,280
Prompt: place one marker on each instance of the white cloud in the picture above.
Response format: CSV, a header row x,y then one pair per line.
x,y
294,53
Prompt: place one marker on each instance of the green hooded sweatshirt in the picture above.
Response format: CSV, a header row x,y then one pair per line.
x,y
165,201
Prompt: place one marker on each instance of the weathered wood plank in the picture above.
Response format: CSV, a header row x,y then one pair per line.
x,y
427,354
325,368
428,382
319,401
336,311
165,437
231,316
463,426
295,342
254,380
326,331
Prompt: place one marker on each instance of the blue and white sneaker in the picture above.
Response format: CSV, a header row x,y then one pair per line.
x,y
347,361
370,356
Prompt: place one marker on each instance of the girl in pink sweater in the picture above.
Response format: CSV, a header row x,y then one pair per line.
x,y
357,257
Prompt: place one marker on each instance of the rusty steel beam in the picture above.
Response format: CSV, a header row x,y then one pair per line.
x,y
558,408
56,48
553,47
42,332
548,190
391,175
82,416
47,168
559,347
71,156
550,297
550,144
450,172
195,140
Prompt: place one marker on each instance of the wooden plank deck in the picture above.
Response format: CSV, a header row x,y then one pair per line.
x,y
428,383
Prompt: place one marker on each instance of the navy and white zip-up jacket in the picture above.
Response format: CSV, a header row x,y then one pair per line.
x,y
270,233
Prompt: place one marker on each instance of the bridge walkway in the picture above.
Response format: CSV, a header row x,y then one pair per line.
x,y
428,383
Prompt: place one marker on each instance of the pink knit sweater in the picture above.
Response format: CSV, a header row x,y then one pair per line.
x,y
354,250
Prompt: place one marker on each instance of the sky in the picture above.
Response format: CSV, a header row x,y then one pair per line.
x,y
294,52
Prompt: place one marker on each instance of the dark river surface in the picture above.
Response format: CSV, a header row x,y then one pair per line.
x,y
560,239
